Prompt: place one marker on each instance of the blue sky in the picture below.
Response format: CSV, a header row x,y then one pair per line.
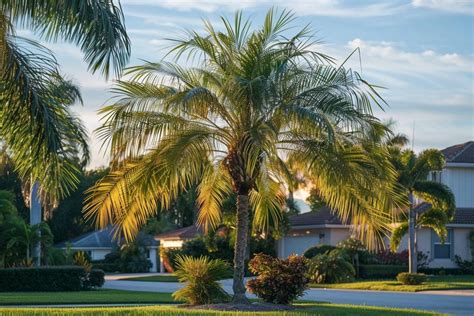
x,y
422,51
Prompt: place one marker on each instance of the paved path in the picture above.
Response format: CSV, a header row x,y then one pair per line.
x,y
438,302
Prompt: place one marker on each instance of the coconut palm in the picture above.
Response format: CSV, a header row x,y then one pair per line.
x,y
248,102
414,170
39,131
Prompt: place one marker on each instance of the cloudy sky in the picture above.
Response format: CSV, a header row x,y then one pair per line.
x,y
421,51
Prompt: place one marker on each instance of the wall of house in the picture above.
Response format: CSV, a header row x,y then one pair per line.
x,y
99,254
153,258
337,234
461,247
461,182
297,241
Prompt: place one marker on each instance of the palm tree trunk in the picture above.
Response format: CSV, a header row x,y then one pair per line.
x,y
412,265
35,218
240,249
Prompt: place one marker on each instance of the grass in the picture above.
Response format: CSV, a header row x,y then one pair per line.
x,y
307,309
84,297
448,282
154,278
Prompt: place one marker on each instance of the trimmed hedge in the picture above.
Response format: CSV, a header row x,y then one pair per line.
x,y
49,279
43,279
107,267
411,278
379,271
442,271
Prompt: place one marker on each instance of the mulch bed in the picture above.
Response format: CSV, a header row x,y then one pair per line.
x,y
253,307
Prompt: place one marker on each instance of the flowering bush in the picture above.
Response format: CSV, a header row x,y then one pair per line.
x,y
278,280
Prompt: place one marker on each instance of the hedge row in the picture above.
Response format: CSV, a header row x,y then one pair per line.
x,y
49,279
379,271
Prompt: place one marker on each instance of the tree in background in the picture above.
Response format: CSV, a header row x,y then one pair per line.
x,y
68,222
43,137
414,170
250,100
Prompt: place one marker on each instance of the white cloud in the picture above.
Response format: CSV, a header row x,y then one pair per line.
x,y
452,6
302,7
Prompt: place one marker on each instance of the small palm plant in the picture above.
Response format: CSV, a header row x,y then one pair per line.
x,y
202,277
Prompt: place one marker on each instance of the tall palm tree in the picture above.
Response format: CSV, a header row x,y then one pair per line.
x,y
38,129
414,170
249,101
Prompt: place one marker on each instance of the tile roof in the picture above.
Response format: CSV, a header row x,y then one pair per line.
x,y
463,216
324,216
188,232
102,239
460,153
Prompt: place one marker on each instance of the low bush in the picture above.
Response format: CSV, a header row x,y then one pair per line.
x,y
333,267
278,280
107,267
411,278
380,271
201,276
96,278
66,278
466,266
442,271
318,250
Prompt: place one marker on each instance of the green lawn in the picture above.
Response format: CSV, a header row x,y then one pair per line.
x,y
448,282
154,278
83,297
308,309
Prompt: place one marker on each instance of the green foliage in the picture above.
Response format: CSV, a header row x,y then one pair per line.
x,y
471,243
277,99
201,276
332,267
47,279
96,278
317,250
279,281
466,266
68,221
411,278
314,200
380,271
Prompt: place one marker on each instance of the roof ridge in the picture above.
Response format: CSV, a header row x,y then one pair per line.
x,y
466,146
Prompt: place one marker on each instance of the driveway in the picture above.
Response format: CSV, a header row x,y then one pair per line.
x,y
461,303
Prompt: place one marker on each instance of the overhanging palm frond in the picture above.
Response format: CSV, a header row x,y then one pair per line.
x,y
397,236
438,194
97,27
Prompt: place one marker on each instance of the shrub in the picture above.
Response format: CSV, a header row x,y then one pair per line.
x,y
48,279
106,267
317,250
201,276
466,266
278,280
411,278
331,268
96,278
380,271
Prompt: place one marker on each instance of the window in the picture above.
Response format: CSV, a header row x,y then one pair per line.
x,y
440,250
435,176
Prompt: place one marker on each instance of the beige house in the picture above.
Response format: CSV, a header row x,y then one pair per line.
x,y
324,227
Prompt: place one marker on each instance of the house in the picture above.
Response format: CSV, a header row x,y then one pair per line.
x,y
98,244
176,238
324,227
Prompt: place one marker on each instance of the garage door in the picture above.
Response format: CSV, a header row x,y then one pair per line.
x,y
298,245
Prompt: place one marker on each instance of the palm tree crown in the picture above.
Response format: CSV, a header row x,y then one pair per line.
x,y
247,102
